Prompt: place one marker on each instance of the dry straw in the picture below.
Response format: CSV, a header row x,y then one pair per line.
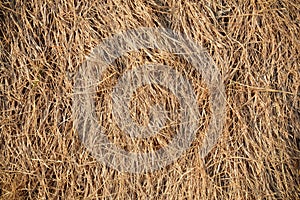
x,y
254,44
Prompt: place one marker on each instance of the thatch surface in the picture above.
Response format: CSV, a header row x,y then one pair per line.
x,y
255,45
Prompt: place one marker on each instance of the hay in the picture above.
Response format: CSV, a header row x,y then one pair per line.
x,y
255,45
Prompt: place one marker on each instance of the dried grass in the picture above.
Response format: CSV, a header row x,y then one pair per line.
x,y
256,46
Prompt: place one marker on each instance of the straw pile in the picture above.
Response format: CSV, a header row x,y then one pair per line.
x,y
255,45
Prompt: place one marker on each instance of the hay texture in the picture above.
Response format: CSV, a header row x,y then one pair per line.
x,y
255,46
